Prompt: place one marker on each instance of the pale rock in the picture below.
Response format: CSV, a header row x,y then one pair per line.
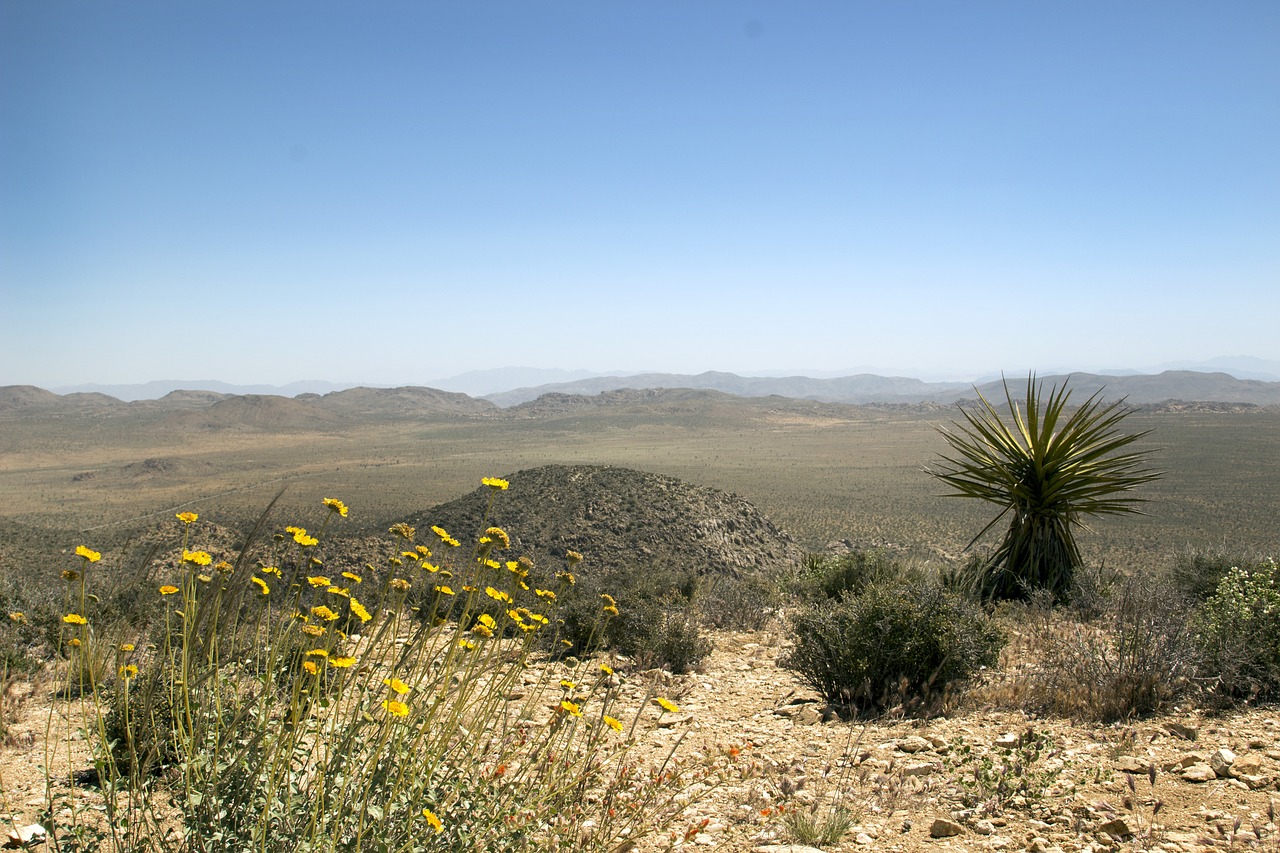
x,y
914,744
919,768
1182,730
943,828
1255,782
1221,761
808,716
864,840
938,743
1131,764
1199,773
1180,764
1117,828
1008,739
1246,765
23,836
984,827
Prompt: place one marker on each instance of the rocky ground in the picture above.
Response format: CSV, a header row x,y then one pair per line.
x,y
974,780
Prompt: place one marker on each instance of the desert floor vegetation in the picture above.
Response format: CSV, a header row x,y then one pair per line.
x,y
192,665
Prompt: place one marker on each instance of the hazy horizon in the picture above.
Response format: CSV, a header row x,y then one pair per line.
x,y
403,193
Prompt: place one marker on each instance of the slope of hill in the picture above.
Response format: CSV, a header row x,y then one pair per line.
x,y
620,519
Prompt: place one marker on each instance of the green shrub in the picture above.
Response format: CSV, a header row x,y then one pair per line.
x,y
835,577
1239,633
892,643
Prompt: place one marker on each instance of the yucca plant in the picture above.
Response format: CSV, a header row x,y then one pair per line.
x,y
1047,472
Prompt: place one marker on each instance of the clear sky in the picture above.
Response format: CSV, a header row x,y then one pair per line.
x,y
391,192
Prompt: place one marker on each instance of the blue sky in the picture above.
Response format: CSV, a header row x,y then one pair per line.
x,y
392,192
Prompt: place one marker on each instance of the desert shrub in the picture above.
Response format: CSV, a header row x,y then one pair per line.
x,y
1197,573
650,616
1137,658
835,577
740,603
1238,632
893,643
289,716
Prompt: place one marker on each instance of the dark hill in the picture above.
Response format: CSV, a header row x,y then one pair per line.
x,y
619,519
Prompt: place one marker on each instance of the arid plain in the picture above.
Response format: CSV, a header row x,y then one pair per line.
x,y
97,475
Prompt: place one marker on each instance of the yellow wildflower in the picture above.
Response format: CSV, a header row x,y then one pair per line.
x,y
70,575
18,616
606,669
127,671
572,558
495,483
262,585
431,567
90,556
482,630
75,641
270,570
545,593
75,619
395,561
411,555
444,590
359,610
224,566
611,610
304,540
486,620
399,584
342,663
497,595
203,578
294,531
608,599
612,723
499,535
567,684
402,529
432,820
310,666
317,653
492,564
340,591
395,708
319,580
466,645
567,577
198,558
186,517
337,506
423,550
313,630
126,647
666,704
570,708
322,612
351,576
397,685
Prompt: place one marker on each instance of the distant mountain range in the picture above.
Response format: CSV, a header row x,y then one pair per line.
x,y
506,384
197,406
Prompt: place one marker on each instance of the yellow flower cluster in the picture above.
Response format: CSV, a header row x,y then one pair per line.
x,y
495,483
337,506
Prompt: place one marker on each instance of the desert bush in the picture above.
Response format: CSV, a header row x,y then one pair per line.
x,y
1045,474
1238,632
1198,572
286,715
891,644
1137,658
740,603
835,577
650,616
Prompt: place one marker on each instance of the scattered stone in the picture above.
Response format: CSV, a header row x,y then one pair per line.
x,y
786,848
984,827
1199,773
1181,764
1221,761
1131,764
1008,740
1182,730
920,768
943,828
24,836
808,716
1117,828
914,744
